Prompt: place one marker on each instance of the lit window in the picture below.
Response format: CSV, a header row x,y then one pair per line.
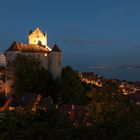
x,y
45,54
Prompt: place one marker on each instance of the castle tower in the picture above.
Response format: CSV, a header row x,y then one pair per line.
x,y
37,37
55,61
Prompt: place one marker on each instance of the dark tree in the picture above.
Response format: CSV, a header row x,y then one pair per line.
x,y
29,75
70,89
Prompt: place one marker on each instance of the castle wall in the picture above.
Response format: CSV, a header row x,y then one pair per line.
x,y
10,56
44,60
42,57
55,64
50,61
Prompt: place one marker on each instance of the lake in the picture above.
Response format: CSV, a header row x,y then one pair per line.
x,y
129,74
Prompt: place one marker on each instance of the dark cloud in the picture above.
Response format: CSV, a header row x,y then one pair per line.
x,y
134,45
87,42
84,42
73,29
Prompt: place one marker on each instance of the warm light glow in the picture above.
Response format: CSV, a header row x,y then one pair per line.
x,y
11,108
38,98
37,36
90,81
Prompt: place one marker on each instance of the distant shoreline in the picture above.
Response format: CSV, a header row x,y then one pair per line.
x,y
113,67
127,73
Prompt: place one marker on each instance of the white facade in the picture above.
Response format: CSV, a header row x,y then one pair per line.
x,y
38,37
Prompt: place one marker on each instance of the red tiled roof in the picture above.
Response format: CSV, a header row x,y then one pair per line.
x,y
27,48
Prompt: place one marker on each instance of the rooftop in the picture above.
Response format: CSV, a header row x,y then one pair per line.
x,y
27,48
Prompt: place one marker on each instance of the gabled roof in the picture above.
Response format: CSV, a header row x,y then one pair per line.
x,y
56,48
28,100
37,29
14,47
33,48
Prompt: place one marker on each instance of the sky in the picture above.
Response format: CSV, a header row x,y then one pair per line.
x,y
89,32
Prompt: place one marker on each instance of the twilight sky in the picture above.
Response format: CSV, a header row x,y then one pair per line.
x,y
89,32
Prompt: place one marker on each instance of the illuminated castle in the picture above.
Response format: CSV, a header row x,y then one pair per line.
x,y
37,46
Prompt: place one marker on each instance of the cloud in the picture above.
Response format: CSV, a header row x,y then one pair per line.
x,y
87,42
73,34
84,42
134,45
72,29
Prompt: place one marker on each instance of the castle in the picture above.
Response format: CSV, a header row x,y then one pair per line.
x,y
37,46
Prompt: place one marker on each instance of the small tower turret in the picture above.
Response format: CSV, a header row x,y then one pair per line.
x,y
55,61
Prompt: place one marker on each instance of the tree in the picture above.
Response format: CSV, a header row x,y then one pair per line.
x,y
2,99
29,75
108,103
115,117
51,125
70,89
